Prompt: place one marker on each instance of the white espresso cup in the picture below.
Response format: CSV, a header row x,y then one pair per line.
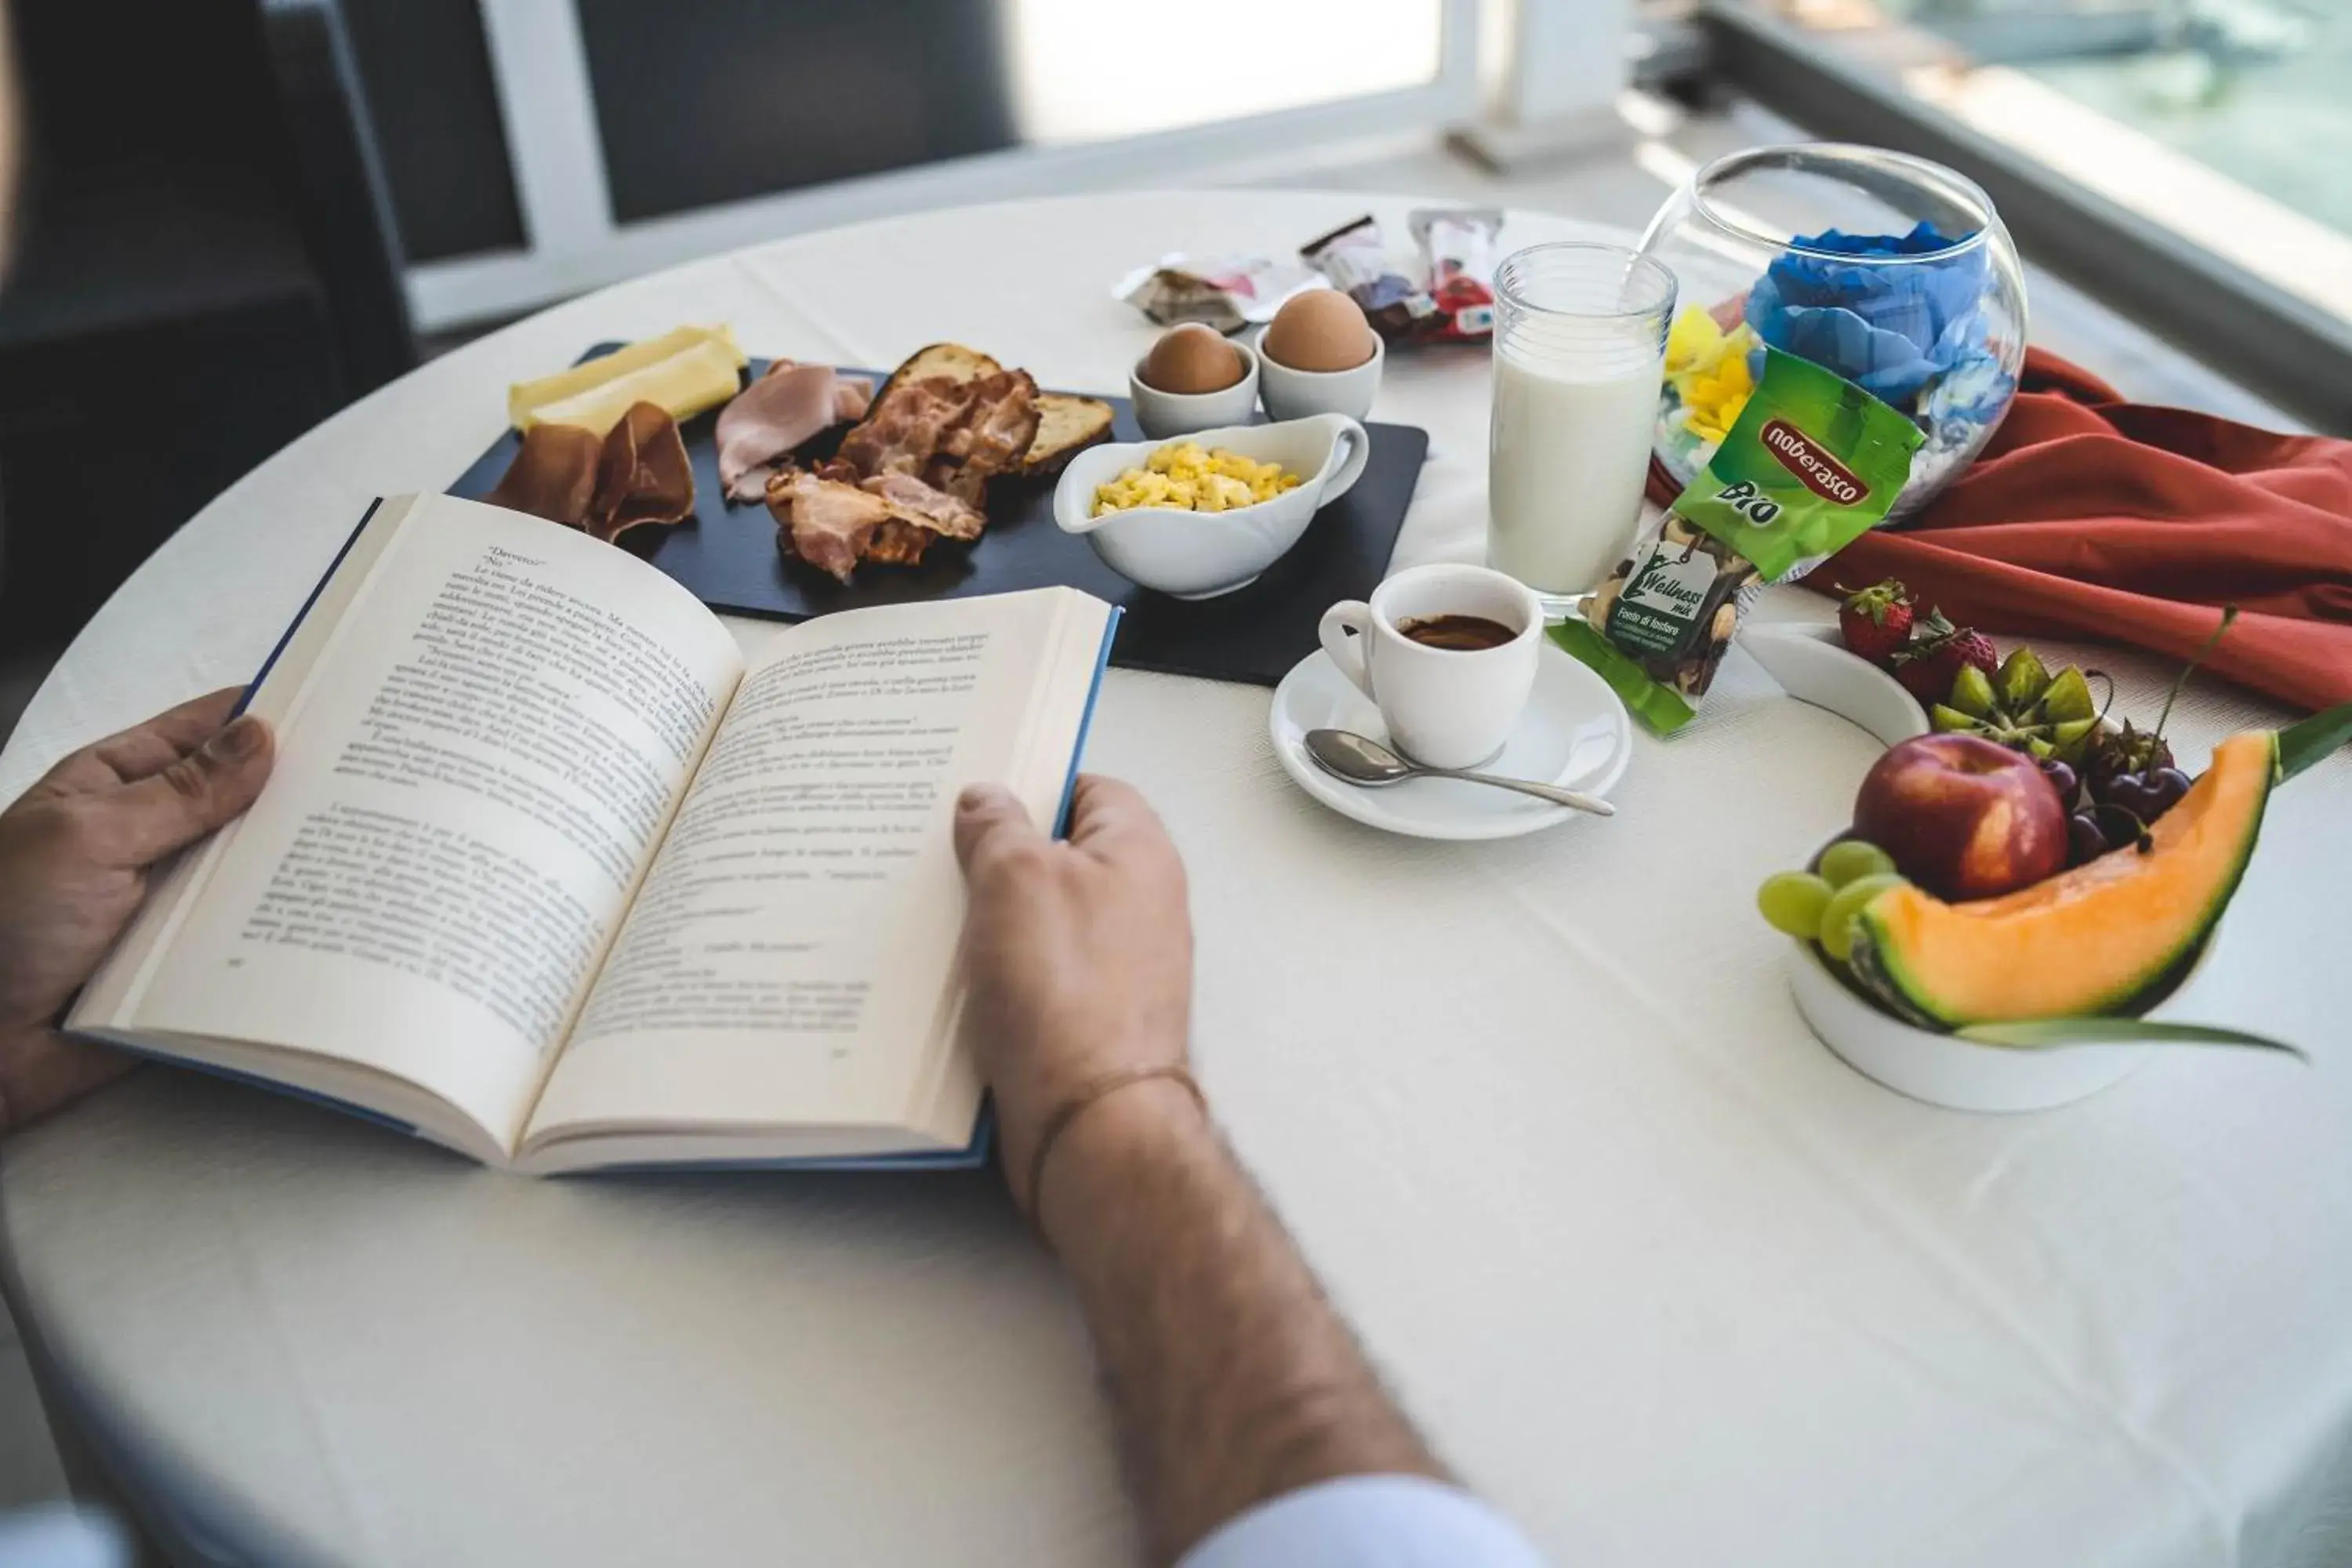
x,y
1446,708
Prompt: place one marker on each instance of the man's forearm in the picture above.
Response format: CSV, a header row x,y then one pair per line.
x,y
1232,1378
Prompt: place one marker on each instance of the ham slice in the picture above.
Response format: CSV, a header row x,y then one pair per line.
x,y
636,473
786,408
825,522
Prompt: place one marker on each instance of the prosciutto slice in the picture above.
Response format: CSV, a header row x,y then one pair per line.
x,y
636,473
643,475
555,475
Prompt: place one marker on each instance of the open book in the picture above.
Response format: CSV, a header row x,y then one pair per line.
x,y
553,872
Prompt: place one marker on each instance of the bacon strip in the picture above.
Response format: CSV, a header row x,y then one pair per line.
x,y
924,452
825,522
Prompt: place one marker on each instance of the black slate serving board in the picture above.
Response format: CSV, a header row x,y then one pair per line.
x,y
727,556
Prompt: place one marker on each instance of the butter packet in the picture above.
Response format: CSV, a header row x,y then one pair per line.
x,y
1812,462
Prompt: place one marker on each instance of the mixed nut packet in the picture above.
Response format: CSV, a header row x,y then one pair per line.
x,y
1811,463
1659,627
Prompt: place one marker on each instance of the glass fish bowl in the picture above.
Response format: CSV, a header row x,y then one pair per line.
x,y
1890,271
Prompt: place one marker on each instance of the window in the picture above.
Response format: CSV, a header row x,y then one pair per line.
x,y
2181,158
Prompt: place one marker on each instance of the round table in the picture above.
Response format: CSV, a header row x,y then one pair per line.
x,y
1658,1273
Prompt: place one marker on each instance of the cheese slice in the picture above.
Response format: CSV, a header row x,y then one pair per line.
x,y
685,371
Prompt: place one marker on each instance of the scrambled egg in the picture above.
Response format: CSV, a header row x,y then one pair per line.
x,y
1184,476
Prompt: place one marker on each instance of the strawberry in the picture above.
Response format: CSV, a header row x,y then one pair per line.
x,y
1937,653
1876,622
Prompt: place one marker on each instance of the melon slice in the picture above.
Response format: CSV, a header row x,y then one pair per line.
x,y
2090,942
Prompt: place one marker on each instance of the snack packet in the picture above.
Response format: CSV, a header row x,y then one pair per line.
x,y
1228,292
1812,462
1458,243
1354,258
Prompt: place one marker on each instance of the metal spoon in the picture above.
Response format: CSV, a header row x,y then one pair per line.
x,y
1360,760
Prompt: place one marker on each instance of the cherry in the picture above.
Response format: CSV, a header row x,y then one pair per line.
x,y
2062,778
2085,839
2147,796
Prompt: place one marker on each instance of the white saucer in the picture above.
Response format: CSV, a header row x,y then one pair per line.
x,y
1574,733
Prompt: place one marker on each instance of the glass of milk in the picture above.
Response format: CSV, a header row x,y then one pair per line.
x,y
1579,353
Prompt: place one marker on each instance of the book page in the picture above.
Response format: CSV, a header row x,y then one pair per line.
x,y
789,956
472,775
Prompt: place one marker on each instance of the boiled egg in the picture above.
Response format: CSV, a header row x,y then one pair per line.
x,y
1321,330
1192,358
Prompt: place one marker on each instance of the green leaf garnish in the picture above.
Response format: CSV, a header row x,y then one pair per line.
x,y
2228,617
2315,738
2048,1033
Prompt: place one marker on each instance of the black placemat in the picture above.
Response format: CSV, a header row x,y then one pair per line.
x,y
727,556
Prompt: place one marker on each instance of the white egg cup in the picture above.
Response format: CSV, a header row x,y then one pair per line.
x,y
1290,393
1202,554
1165,414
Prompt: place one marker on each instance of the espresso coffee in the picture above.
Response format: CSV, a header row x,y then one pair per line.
x,y
1462,634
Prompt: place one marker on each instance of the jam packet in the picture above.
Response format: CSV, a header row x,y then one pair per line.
x,y
1458,243
1812,462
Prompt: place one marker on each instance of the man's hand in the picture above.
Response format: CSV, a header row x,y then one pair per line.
x,y
75,851
1232,1378
1078,955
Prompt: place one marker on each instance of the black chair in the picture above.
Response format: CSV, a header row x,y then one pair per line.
x,y
207,265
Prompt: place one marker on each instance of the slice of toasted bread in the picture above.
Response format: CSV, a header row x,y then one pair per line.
x,y
1065,425
953,361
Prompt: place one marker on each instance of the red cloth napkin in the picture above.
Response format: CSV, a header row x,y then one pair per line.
x,y
2096,519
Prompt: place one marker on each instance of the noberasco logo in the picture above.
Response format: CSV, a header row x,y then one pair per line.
x,y
1823,474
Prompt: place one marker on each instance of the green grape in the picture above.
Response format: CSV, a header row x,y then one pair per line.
x,y
1793,901
1845,907
1850,859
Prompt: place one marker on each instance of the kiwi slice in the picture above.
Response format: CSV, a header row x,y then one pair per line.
x,y
2067,699
1972,692
2022,680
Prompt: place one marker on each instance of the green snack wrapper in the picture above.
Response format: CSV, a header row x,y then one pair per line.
x,y
1813,462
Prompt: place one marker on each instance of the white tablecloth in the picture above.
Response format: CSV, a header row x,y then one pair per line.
x,y
1657,1273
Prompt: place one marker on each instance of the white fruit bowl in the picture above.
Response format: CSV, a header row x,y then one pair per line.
x,y
1964,1075
1813,666
1201,554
